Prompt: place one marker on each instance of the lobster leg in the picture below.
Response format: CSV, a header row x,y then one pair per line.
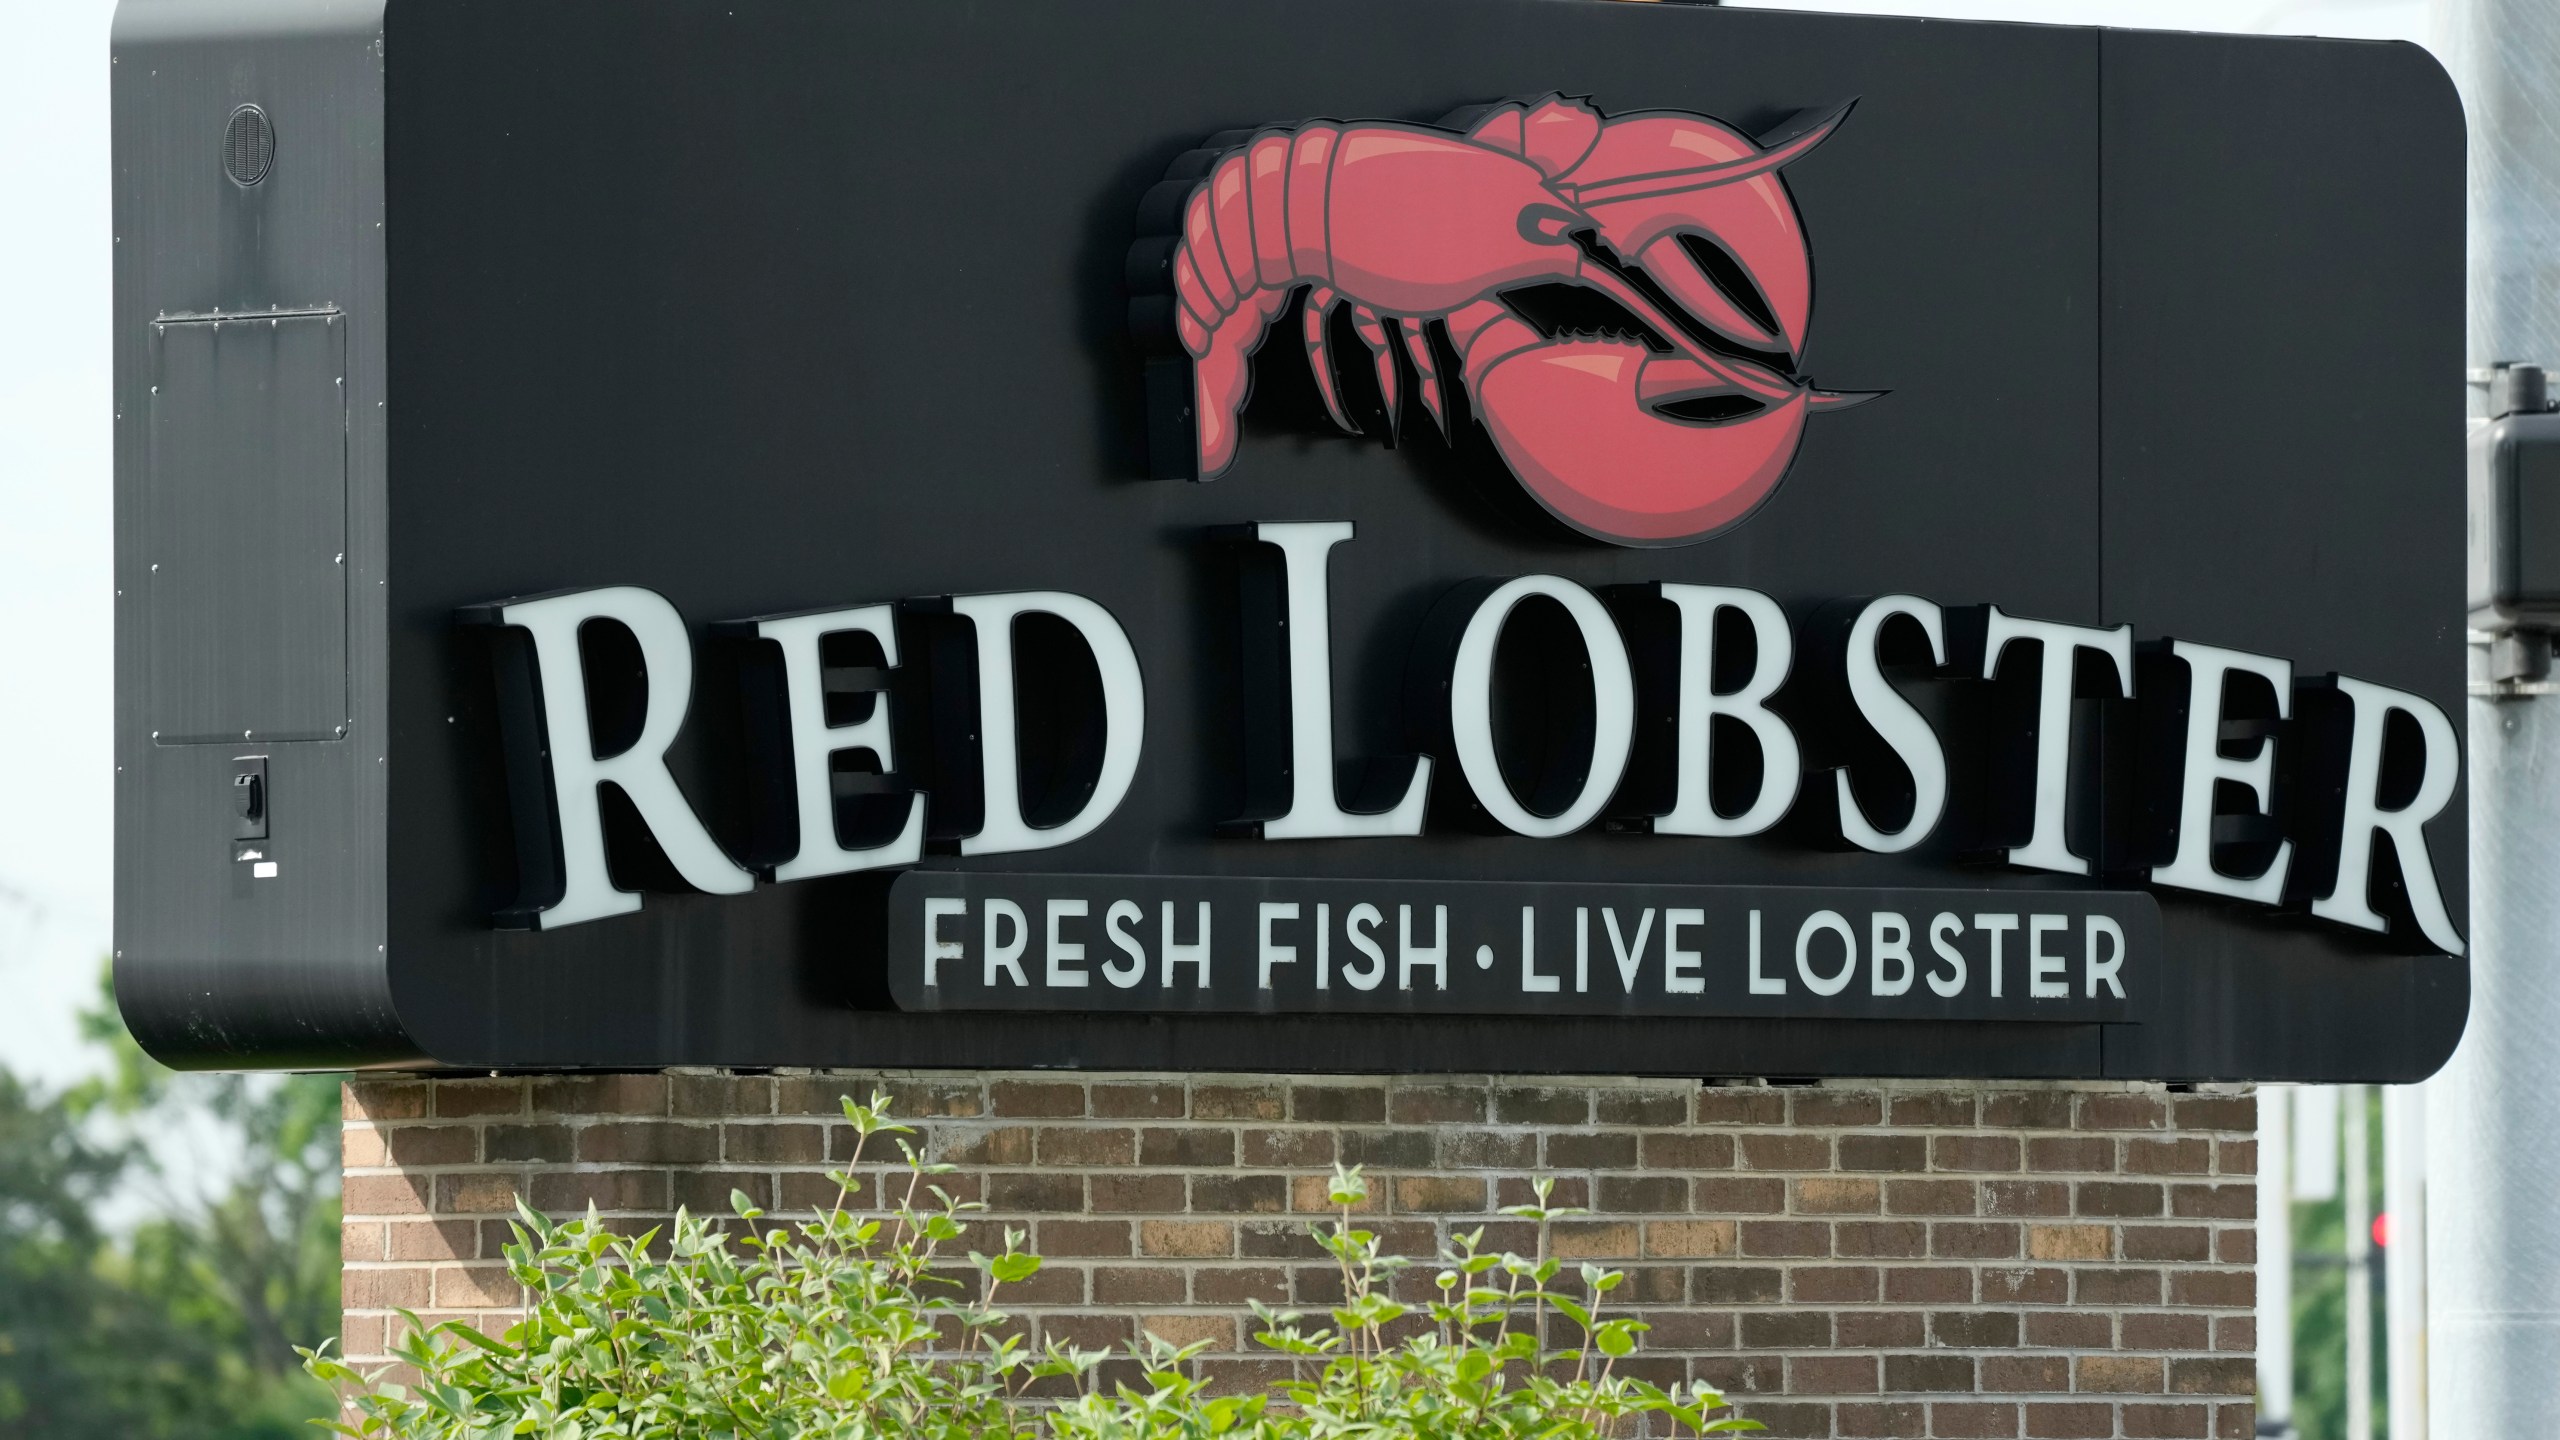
x,y
1319,310
1372,331
1426,367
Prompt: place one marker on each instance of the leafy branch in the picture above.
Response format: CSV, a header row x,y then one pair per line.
x,y
844,1326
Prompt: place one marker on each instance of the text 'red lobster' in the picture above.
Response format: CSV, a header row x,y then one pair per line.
x,y
1658,438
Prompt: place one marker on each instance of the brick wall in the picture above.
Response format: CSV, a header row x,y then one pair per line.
x,y
1843,1259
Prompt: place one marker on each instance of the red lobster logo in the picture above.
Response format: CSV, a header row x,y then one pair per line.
x,y
1660,437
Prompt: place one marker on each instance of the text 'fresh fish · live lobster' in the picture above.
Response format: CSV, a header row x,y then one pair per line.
x,y
1661,436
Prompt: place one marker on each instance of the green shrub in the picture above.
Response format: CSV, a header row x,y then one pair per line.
x,y
852,1325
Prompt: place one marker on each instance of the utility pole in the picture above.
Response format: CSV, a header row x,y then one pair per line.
x,y
2355,1101
2404,1259
2493,1157
2275,1261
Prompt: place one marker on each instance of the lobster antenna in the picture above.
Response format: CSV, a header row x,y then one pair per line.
x,y
1842,399
1722,172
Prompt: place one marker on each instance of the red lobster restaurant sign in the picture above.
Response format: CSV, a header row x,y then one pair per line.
x,y
818,535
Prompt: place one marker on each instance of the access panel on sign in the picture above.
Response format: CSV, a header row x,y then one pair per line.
x,y
246,535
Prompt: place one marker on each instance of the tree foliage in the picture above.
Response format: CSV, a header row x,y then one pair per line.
x,y
2320,1283
182,1322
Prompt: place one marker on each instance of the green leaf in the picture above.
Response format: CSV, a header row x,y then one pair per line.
x,y
1349,1187
456,1327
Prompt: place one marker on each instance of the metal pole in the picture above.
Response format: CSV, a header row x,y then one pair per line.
x,y
2404,1259
2493,1161
2275,1262
2354,1100
2315,1143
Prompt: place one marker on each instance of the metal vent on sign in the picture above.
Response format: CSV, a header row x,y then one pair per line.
x,y
248,145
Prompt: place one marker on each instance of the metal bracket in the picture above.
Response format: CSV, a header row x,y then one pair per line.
x,y
2515,665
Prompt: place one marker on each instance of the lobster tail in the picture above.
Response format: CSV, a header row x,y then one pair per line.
x,y
1223,240
1403,222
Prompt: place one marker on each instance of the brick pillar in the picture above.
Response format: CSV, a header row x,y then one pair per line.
x,y
1855,1259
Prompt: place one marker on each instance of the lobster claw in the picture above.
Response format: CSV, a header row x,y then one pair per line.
x,y
1700,207
1581,423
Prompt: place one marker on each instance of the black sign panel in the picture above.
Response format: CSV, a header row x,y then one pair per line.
x,y
1607,480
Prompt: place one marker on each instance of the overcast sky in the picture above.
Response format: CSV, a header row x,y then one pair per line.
x,y
55,592
55,449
